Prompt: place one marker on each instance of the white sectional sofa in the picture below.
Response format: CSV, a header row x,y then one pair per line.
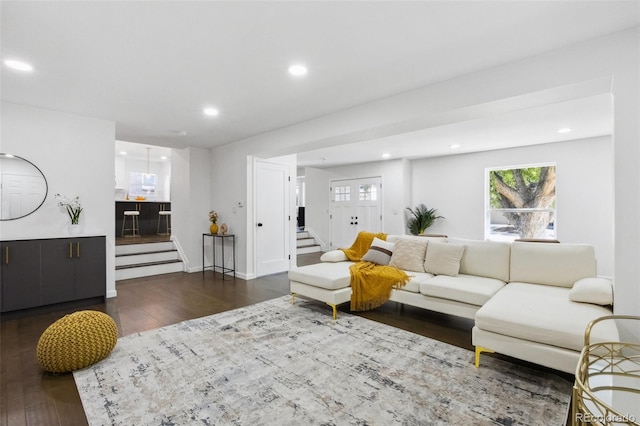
x,y
529,300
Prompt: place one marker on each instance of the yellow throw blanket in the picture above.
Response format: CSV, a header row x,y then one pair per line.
x,y
361,245
371,284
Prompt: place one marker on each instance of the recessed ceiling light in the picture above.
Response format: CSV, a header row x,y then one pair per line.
x,y
454,146
211,112
386,155
164,157
123,153
298,70
564,130
18,65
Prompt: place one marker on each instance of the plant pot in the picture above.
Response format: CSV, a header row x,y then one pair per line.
x,y
213,228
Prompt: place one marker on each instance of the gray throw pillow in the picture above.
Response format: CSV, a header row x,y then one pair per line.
x,y
379,253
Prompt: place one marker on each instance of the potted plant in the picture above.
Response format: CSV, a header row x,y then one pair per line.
x,y
421,218
72,205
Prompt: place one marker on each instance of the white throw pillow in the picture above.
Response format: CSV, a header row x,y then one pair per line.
x,y
597,291
333,256
443,258
408,254
380,252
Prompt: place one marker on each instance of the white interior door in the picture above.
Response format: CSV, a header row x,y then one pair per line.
x,y
355,206
272,218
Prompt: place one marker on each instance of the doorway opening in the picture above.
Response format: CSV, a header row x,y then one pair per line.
x,y
142,188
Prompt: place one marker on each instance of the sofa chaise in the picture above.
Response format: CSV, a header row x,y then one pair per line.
x,y
529,300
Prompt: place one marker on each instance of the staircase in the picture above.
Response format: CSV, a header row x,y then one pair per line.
x,y
306,243
143,260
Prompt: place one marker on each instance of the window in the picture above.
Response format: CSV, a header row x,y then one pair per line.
x,y
342,193
142,184
368,192
521,203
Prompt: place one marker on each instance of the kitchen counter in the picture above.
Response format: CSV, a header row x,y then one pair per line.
x,y
148,219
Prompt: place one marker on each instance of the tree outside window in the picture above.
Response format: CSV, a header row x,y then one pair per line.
x,y
521,203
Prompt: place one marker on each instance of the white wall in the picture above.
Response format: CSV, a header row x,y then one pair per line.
x,y
318,205
76,157
455,185
190,204
614,59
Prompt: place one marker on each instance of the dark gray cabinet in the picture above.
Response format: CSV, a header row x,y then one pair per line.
x,y
44,272
20,274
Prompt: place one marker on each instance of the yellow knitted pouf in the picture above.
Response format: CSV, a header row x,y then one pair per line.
x,y
76,341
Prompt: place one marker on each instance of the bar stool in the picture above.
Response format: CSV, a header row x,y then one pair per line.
x,y
166,214
135,228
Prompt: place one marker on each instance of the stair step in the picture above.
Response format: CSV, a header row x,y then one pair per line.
x,y
140,265
308,249
148,269
305,242
146,257
142,248
302,235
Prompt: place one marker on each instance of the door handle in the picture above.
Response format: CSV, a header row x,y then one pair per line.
x,y
259,224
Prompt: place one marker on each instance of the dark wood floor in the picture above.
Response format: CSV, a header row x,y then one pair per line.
x,y
29,396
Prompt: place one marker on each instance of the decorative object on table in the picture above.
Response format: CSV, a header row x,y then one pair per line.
x,y
72,205
277,363
421,219
76,341
224,229
213,218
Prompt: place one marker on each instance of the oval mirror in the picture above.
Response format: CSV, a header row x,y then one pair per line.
x,y
23,187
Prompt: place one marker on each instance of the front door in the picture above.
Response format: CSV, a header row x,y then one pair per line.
x,y
355,206
272,218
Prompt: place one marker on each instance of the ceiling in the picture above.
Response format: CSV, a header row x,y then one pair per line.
x,y
153,66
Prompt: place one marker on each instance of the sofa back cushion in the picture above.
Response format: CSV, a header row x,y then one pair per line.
x,y
552,264
443,258
485,258
393,238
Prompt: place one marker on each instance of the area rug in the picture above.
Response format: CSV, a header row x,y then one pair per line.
x,y
274,363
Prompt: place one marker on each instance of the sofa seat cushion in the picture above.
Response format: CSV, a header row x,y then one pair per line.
x,y
416,278
544,314
463,288
330,276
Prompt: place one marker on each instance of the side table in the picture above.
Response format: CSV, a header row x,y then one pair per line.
x,y
223,270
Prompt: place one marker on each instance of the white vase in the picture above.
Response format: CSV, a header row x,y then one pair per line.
x,y
75,228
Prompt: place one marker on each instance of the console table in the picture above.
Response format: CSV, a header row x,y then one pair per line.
x,y
215,266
